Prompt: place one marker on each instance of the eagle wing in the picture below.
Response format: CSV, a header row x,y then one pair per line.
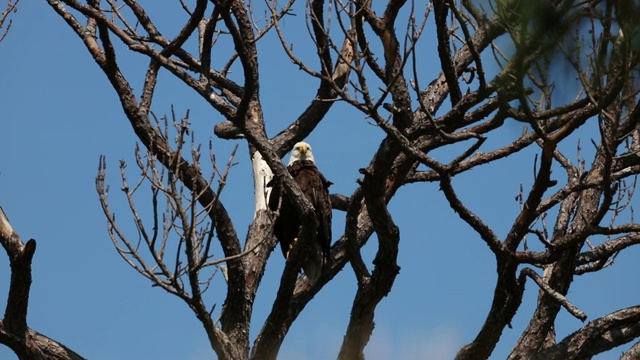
x,y
316,188
287,223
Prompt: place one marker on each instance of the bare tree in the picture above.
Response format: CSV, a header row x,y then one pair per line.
x,y
497,62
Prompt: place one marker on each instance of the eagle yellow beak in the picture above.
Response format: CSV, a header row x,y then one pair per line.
x,y
304,149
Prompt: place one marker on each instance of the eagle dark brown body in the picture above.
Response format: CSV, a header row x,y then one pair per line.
x,y
287,224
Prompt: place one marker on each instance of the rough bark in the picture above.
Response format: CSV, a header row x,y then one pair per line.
x,y
14,330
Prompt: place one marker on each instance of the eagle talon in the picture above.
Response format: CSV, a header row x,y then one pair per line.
x,y
293,243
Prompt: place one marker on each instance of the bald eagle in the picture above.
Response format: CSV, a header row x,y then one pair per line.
x,y
287,224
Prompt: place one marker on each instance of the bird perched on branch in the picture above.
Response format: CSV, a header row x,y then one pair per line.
x,y
287,224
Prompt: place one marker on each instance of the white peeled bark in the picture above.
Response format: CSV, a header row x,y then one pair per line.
x,y
6,230
262,174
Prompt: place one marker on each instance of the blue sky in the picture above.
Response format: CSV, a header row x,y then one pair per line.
x,y
59,115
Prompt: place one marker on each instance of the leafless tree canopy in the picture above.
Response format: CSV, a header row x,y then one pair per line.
x,y
499,64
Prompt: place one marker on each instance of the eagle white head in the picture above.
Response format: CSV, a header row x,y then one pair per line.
x,y
301,151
